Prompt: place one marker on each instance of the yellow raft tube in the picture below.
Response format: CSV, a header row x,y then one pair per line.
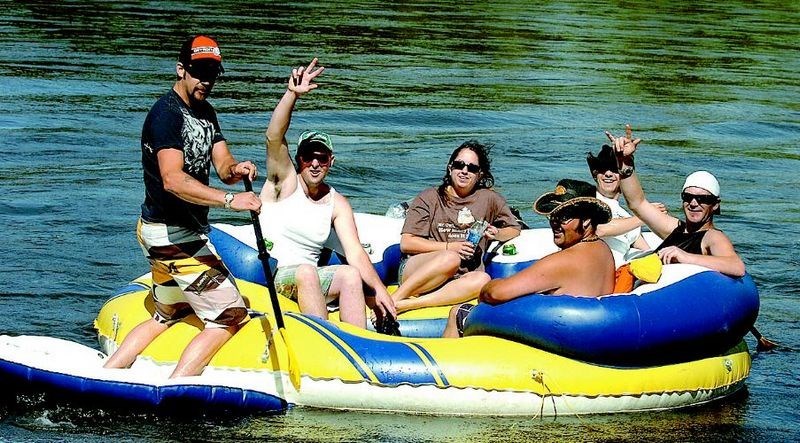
x,y
328,364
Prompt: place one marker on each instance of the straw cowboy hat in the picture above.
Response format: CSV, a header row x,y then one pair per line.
x,y
573,197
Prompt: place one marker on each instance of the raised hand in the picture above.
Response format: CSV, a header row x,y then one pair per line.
x,y
624,146
300,82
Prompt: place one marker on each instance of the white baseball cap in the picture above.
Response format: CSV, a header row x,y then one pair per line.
x,y
704,180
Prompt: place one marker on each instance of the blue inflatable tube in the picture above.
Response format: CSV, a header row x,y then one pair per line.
x,y
243,262
699,315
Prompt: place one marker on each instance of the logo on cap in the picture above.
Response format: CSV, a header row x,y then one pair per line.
x,y
205,48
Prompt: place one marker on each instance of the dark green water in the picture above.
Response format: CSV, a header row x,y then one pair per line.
x,y
711,85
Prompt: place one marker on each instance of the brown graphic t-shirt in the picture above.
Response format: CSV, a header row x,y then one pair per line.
x,y
448,219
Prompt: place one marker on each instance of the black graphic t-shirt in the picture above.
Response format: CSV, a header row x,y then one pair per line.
x,y
171,124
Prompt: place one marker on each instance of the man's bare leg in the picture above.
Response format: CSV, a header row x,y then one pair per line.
x,y
134,343
309,292
201,349
349,287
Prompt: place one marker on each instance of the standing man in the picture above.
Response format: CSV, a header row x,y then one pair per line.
x,y
302,208
181,139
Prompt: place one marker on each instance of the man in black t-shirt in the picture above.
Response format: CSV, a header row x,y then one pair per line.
x,y
181,139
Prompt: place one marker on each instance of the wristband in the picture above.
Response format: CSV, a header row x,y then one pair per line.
x,y
627,171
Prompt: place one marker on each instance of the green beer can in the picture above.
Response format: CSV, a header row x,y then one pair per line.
x,y
509,249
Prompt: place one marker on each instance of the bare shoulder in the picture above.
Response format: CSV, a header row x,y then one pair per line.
x,y
715,237
341,206
340,200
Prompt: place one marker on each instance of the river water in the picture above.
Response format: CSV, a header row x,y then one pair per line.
x,y
713,85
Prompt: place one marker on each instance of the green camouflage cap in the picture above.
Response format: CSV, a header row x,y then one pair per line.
x,y
314,138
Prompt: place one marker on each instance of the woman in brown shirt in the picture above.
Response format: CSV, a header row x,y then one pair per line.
x,y
440,267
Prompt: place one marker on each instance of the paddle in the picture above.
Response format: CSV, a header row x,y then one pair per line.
x,y
764,344
263,256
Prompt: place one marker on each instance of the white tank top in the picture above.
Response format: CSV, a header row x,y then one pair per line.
x,y
297,227
620,244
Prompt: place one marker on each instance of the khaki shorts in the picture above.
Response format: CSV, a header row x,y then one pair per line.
x,y
188,277
286,282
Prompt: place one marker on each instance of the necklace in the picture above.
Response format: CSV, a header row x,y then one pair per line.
x,y
590,238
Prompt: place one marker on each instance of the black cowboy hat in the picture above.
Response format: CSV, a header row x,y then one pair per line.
x,y
606,160
576,197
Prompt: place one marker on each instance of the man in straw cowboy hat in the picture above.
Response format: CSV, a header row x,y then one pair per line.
x,y
583,267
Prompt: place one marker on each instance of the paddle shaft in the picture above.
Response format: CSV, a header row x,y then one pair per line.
x,y
263,255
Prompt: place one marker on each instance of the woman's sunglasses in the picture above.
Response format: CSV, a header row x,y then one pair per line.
x,y
458,165
703,199
323,158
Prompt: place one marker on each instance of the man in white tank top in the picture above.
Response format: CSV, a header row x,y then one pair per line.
x,y
298,211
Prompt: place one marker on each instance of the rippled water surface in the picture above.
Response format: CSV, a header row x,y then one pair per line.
x,y
707,84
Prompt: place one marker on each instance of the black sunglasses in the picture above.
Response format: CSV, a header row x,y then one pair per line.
x,y
603,170
458,165
556,221
204,74
322,157
703,199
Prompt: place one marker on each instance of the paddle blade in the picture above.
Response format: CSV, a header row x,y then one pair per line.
x,y
294,371
765,345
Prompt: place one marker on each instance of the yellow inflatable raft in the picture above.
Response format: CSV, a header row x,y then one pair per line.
x,y
328,364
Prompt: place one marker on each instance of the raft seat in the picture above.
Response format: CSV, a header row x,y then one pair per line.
x,y
242,258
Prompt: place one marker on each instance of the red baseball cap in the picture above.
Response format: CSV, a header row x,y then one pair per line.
x,y
200,56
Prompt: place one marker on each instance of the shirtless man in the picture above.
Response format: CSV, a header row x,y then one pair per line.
x,y
583,267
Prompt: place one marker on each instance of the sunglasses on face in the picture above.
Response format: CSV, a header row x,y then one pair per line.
x,y
203,74
205,77
458,165
559,221
603,171
702,199
322,158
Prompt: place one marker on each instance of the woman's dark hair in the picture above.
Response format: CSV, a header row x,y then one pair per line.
x,y
482,151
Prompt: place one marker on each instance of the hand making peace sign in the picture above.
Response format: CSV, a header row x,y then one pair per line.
x,y
300,82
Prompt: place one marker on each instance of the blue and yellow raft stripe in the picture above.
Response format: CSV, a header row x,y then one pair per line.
x,y
388,363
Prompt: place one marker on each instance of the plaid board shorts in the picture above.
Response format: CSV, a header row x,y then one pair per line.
x,y
188,277
286,282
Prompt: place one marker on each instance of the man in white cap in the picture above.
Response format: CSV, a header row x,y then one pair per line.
x,y
299,211
695,240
